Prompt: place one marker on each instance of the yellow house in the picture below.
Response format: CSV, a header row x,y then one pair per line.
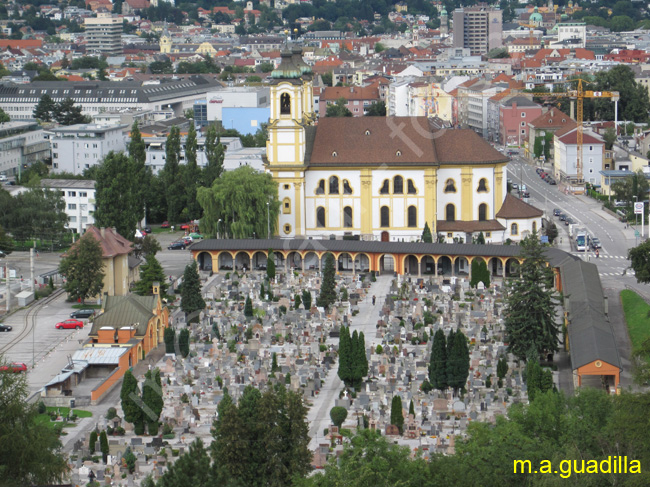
x,y
120,268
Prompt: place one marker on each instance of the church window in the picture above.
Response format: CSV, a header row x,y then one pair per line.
x,y
287,228
347,217
514,229
412,217
347,189
334,185
450,186
411,187
384,187
320,189
482,212
450,212
534,226
398,185
320,217
286,186
482,186
285,104
385,216
286,206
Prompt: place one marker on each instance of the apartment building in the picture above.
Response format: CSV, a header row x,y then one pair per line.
x,y
79,197
104,34
478,28
21,144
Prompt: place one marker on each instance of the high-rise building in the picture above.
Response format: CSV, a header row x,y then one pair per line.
x,y
478,28
104,34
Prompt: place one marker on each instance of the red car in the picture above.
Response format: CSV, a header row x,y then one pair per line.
x,y
14,367
164,224
70,325
185,226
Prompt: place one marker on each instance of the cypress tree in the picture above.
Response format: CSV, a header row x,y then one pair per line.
x,y
92,441
248,307
412,408
103,444
274,362
270,265
426,234
170,338
438,361
191,298
355,371
533,379
184,342
458,362
396,414
502,367
130,395
344,355
363,358
306,299
262,291
328,286
297,301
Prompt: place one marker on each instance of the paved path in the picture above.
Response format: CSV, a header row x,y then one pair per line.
x,y
366,321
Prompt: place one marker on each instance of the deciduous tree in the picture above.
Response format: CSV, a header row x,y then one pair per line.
x,y
171,176
338,109
236,204
338,415
191,176
83,269
214,153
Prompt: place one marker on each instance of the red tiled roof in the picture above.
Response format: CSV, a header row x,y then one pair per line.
x,y
20,43
515,208
396,140
469,226
553,119
333,93
112,242
571,138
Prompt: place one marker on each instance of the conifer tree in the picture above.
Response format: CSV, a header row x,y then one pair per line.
x,y
530,311
412,408
426,234
502,367
363,358
354,359
458,362
345,365
103,444
184,342
270,265
92,441
396,413
191,299
130,396
170,339
151,271
306,299
248,307
214,153
327,294
438,361
274,362
297,301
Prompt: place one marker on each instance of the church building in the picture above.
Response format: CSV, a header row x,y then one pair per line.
x,y
382,178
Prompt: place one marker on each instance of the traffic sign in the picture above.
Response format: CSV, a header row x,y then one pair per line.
x,y
636,233
638,208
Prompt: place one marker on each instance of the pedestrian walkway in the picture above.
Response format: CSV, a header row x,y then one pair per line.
x,y
365,321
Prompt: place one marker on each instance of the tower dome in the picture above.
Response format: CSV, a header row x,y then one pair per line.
x,y
287,68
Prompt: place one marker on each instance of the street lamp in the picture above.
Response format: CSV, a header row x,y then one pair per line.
x,y
636,222
268,219
219,228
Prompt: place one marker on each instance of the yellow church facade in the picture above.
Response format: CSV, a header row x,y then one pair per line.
x,y
382,178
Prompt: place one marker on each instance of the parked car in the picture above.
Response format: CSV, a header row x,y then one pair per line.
x,y
185,226
187,240
196,235
515,186
82,313
70,324
164,224
147,229
569,221
563,217
5,327
552,182
556,212
595,243
14,367
177,245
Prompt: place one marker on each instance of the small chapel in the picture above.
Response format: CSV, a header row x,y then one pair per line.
x,y
383,178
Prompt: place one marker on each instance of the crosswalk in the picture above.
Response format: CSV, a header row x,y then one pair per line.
x,y
591,255
618,273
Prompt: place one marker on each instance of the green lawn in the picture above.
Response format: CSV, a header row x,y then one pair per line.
x,y
45,418
636,317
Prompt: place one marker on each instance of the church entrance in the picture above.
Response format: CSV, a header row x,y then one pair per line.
x,y
385,237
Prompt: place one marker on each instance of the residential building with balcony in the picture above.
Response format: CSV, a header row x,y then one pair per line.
x,y
79,197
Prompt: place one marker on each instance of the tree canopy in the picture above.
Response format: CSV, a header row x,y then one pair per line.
x,y
338,109
238,199
83,269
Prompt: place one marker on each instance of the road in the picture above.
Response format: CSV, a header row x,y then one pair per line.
x,y
616,238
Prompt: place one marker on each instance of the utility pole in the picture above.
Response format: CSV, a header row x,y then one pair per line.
x,y
31,268
268,219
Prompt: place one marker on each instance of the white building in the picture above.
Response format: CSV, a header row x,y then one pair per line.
x,y
78,147
566,155
571,34
235,97
79,197
21,144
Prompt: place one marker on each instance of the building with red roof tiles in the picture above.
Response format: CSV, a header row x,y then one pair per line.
x,y
628,56
358,98
552,121
20,43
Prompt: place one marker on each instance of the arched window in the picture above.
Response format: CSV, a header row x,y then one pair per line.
x,y
450,186
411,187
320,217
285,104
450,212
334,185
398,185
412,217
514,229
482,186
482,212
347,189
534,226
384,187
385,217
347,217
286,206
320,189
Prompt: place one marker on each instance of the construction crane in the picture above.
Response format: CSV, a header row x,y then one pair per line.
x,y
580,94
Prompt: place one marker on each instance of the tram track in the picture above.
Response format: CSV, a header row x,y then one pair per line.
x,y
30,320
